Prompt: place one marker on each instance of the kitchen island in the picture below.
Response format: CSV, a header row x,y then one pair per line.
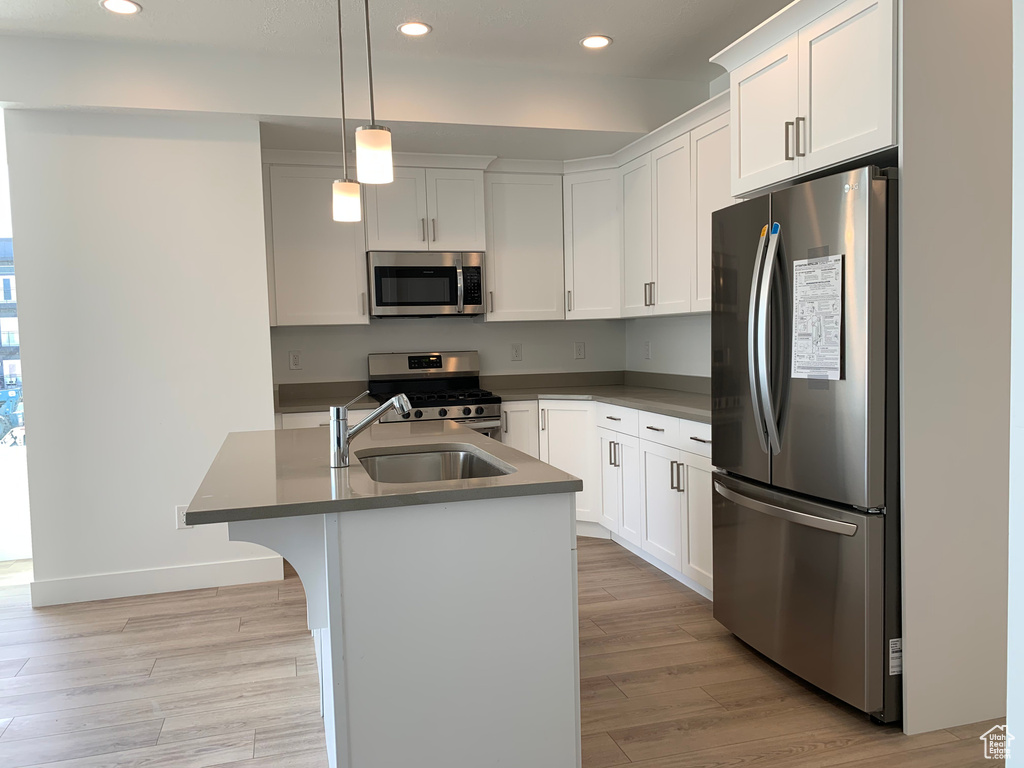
x,y
444,610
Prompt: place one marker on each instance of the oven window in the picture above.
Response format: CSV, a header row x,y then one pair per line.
x,y
416,286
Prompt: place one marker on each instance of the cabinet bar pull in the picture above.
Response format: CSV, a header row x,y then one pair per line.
x,y
653,429
673,475
679,477
611,453
491,293
618,454
797,134
700,440
362,303
654,299
613,418
504,422
423,226
544,420
568,301
433,227
789,130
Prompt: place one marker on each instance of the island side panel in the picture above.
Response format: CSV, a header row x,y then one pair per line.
x,y
461,634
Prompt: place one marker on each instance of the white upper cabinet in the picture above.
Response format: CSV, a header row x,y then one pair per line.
x,y
319,265
812,87
710,161
426,209
592,245
846,84
637,240
673,229
525,272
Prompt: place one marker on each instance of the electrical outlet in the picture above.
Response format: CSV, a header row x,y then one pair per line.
x,y
295,360
579,350
179,517
517,353
647,350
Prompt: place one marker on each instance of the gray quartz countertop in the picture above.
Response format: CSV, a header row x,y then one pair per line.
x,y
668,402
286,472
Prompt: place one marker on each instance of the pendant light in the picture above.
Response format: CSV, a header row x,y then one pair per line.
x,y
373,142
347,206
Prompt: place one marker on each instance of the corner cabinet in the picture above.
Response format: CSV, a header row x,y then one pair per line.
x,y
426,209
525,278
592,245
317,265
812,87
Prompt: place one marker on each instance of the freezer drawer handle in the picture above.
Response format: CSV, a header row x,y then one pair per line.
x,y
700,440
790,516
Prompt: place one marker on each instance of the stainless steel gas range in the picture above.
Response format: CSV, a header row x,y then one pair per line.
x,y
439,385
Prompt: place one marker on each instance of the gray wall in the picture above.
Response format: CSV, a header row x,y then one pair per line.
x,y
955,291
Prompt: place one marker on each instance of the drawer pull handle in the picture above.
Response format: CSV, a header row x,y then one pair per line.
x,y
700,440
656,429
613,418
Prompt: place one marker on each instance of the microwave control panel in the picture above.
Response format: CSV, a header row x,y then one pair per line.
x,y
474,290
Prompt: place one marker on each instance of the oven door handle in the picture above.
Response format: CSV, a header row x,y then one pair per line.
x,y
462,285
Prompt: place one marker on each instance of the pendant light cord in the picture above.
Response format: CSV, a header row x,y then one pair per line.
x,y
369,63
341,71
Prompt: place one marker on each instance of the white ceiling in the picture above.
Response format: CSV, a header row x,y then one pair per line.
x,y
322,135
658,39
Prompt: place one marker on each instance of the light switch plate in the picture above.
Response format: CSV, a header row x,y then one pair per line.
x,y
517,353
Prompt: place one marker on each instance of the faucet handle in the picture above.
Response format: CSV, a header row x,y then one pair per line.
x,y
356,399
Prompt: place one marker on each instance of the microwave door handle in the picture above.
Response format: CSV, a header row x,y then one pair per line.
x,y
764,306
462,286
752,358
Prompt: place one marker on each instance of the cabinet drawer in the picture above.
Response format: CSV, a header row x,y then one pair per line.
x,y
617,418
659,429
695,437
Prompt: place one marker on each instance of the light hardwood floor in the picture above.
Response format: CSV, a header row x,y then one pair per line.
x,y
227,677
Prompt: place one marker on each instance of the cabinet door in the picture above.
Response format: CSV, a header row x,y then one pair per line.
x,y
396,213
697,490
455,210
568,441
525,270
519,428
663,534
592,245
636,190
631,507
710,154
763,98
319,264
673,227
846,83
611,485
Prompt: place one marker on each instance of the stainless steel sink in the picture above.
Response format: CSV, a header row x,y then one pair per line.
x,y
431,463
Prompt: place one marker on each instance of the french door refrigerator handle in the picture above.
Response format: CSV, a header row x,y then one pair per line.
x,y
789,515
764,306
755,282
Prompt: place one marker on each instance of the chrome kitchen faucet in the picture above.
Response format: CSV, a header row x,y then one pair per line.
x,y
341,435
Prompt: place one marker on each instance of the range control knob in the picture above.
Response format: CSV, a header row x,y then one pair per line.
x,y
442,412
467,411
418,414
479,410
406,415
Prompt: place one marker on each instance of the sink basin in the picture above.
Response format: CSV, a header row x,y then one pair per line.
x,y
431,463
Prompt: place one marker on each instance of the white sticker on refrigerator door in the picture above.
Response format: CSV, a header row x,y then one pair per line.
x,y
818,318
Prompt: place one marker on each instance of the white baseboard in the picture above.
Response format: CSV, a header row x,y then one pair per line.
x,y
103,586
683,579
592,530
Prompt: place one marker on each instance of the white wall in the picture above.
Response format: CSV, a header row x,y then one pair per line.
x,y
142,296
955,292
338,353
5,196
1015,639
679,345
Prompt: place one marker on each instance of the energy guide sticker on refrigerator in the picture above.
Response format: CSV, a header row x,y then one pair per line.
x,y
817,318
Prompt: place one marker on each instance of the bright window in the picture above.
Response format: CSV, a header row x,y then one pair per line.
x,y
9,336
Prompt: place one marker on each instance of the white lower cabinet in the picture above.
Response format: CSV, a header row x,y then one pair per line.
x,y
663,533
520,427
697,489
568,441
621,507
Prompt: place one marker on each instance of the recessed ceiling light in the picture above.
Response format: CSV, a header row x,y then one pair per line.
x,y
123,7
414,28
596,41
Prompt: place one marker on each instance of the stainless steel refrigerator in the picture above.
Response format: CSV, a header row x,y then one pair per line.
x,y
805,433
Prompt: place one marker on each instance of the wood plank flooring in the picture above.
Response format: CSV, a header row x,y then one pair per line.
x,y
227,677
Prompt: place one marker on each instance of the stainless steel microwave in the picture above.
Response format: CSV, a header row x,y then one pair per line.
x,y
422,284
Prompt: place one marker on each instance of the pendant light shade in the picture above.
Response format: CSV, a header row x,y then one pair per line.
x,y
373,142
347,206
373,155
